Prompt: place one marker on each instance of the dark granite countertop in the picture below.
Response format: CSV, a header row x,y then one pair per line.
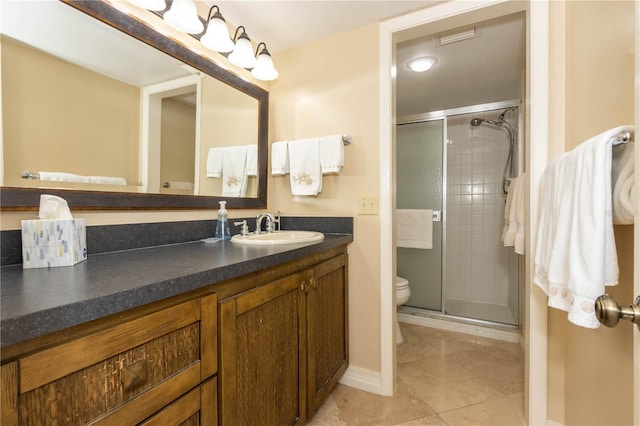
x,y
40,301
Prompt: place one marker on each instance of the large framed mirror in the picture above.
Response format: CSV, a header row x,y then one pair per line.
x,y
154,137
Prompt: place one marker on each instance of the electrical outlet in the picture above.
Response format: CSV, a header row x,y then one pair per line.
x,y
368,204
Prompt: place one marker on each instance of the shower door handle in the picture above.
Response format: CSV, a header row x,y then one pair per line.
x,y
609,312
437,215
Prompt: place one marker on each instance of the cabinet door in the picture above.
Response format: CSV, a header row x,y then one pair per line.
x,y
327,329
260,356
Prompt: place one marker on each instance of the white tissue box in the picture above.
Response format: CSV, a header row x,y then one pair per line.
x,y
47,243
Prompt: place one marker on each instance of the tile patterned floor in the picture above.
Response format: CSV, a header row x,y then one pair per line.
x,y
444,378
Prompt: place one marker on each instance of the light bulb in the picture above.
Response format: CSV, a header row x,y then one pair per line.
x,y
264,69
217,36
183,16
242,55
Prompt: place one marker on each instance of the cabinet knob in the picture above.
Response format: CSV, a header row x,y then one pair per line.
x,y
134,374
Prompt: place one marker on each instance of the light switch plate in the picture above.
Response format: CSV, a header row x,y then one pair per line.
x,y
368,204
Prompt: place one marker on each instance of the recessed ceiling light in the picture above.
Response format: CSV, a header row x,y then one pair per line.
x,y
422,64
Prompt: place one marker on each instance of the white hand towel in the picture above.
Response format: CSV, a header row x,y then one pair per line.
x,y
507,213
252,160
214,162
414,228
575,250
519,243
331,154
63,177
623,175
234,175
513,234
304,167
279,158
107,180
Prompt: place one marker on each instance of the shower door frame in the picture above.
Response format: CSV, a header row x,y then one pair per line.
x,y
444,115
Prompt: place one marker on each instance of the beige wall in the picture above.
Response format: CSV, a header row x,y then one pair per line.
x,y
229,118
330,87
592,369
50,109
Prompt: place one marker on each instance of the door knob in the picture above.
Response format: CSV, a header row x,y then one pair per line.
x,y
609,312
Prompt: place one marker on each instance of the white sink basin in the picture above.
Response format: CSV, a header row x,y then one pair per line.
x,y
278,238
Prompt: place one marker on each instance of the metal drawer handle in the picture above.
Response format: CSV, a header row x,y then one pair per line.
x,y
609,312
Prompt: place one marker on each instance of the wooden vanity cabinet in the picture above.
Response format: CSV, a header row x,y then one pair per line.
x,y
283,346
327,329
153,368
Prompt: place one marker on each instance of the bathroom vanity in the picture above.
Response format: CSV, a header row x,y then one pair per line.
x,y
185,334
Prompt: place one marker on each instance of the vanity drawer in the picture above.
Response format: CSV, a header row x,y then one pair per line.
x,y
124,374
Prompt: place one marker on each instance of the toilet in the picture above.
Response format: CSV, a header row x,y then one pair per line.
x,y
402,296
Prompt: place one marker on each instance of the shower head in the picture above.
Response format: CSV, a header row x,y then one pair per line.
x,y
476,122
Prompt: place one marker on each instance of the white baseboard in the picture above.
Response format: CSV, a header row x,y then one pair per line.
x,y
363,379
476,330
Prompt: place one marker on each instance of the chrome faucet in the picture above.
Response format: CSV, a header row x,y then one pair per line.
x,y
270,222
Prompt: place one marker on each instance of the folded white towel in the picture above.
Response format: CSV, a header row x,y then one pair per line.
x,y
214,162
234,175
623,175
107,180
513,234
252,160
331,154
279,158
63,177
304,167
575,250
414,228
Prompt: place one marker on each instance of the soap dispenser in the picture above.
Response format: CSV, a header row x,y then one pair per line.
x,y
222,227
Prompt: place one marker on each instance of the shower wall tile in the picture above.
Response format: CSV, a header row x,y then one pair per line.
x,y
477,263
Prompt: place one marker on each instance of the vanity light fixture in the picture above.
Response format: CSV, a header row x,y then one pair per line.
x,y
242,55
264,69
422,64
183,16
217,35
155,5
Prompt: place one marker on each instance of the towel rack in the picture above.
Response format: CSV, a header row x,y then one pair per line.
x,y
346,139
29,175
624,137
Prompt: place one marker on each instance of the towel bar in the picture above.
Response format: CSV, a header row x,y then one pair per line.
x,y
346,139
29,175
625,137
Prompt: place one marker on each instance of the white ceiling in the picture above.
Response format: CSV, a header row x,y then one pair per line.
x,y
286,24
488,68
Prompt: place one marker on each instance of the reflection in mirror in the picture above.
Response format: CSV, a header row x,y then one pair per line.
x,y
72,112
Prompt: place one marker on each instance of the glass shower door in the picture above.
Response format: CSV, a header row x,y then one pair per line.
x,y
419,175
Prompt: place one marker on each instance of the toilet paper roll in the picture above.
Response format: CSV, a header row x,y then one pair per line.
x,y
53,207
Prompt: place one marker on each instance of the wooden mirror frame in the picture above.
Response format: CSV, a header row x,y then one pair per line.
x,y
23,199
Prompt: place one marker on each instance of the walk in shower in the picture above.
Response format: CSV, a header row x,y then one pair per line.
x,y
458,163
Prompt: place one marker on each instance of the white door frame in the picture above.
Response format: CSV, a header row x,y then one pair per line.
x,y
150,111
537,109
636,244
